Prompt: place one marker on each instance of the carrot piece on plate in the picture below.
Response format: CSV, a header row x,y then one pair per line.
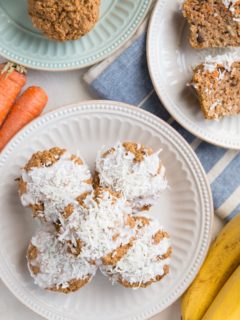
x,y
12,79
29,105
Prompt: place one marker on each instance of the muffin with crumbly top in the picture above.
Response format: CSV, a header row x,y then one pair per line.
x,y
133,170
50,183
104,225
146,260
54,268
63,20
217,84
213,23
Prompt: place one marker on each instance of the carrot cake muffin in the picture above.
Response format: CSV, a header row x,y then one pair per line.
x,y
147,259
217,83
53,268
63,20
105,224
213,23
134,170
51,181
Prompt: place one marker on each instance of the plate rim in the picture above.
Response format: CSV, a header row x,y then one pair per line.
x,y
79,64
138,114
163,96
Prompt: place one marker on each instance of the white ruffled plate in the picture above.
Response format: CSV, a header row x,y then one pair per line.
x,y
185,210
170,61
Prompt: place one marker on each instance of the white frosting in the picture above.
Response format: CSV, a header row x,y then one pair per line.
x,y
56,186
99,223
139,182
57,266
141,264
226,60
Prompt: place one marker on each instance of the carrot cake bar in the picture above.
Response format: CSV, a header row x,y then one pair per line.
x,y
213,23
217,83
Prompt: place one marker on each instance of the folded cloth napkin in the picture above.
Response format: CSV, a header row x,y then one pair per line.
x,y
124,77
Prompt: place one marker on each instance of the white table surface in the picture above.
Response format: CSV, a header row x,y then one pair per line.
x,y
66,88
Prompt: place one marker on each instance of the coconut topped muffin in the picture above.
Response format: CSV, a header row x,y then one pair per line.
x,y
53,268
133,170
147,259
51,181
105,224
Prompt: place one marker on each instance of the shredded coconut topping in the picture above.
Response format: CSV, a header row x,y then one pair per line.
x,y
231,6
103,225
97,224
56,266
215,104
143,262
140,182
56,186
226,60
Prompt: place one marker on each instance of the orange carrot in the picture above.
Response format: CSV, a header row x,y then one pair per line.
x,y
12,79
29,105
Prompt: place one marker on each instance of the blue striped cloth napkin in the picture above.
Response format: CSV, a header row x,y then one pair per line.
x,y
124,77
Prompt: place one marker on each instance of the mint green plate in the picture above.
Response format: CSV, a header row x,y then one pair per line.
x,y
22,43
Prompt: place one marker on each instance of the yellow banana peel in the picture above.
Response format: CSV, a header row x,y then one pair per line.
x,y
226,305
222,259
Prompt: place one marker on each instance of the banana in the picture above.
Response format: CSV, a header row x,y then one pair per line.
x,y
226,305
222,259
